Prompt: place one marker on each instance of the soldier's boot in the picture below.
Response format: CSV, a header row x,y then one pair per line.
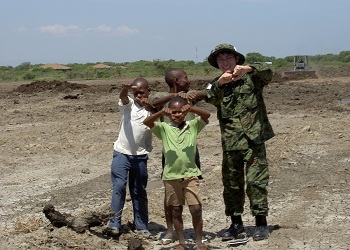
x,y
261,230
235,231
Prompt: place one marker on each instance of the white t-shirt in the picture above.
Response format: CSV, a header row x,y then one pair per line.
x,y
134,137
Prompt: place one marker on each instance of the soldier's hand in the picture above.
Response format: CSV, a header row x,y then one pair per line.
x,y
240,71
226,78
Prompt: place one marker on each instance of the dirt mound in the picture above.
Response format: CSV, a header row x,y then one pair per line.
x,y
326,72
41,86
64,86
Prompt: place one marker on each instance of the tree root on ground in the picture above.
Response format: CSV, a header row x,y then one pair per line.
x,y
79,223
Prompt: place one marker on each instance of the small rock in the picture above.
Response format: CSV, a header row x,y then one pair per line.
x,y
306,129
85,171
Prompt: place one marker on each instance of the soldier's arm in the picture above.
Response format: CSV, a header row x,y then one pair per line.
x,y
214,93
262,71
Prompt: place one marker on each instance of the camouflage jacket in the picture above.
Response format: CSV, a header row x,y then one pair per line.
x,y
241,110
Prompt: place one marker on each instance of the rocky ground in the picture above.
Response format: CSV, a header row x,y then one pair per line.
x,y
56,148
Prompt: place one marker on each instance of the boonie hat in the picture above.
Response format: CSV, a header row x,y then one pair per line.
x,y
226,48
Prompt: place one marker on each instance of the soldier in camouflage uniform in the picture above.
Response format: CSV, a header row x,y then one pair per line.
x,y
238,95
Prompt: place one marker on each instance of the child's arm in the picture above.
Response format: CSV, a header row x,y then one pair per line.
x,y
196,96
204,114
123,95
149,121
148,105
160,102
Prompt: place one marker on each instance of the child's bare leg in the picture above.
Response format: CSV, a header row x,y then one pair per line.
x,y
169,221
178,224
197,221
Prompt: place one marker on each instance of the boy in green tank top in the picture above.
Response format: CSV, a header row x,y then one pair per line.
x,y
180,175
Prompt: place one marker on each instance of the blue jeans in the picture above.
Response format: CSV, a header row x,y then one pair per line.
x,y
134,167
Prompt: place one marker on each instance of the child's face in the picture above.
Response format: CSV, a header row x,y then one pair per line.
x,y
142,91
182,82
177,116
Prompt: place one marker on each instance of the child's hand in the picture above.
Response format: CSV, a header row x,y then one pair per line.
x,y
192,96
146,103
128,85
166,111
185,109
183,95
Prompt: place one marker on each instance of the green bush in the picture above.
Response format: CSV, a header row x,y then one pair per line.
x,y
28,76
155,68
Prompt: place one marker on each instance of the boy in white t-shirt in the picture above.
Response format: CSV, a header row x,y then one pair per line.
x,y
130,157
181,173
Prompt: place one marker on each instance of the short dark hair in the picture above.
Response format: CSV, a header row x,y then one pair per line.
x,y
177,99
170,76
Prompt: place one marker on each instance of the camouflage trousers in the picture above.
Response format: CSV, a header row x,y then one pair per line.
x,y
250,165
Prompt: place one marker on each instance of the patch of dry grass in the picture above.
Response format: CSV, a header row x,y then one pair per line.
x,y
29,225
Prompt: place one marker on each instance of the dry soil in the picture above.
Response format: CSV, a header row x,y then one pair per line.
x,y
56,147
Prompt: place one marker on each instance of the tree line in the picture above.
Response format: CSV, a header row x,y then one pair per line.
x,y
155,68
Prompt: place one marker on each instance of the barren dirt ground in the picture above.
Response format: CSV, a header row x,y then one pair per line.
x,y
56,147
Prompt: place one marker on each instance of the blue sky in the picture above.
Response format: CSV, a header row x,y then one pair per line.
x,y
82,31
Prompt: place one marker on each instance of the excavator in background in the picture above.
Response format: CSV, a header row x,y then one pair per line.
x,y
301,69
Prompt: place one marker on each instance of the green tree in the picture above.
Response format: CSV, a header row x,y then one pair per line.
x,y
253,57
23,66
28,76
344,56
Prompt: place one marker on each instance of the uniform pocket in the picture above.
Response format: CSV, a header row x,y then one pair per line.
x,y
247,96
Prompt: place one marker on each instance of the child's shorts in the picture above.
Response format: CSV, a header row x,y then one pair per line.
x,y
181,190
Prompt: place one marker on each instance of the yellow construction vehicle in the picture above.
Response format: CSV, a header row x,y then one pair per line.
x,y
301,69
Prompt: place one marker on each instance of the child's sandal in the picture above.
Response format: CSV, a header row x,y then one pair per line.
x,y
166,241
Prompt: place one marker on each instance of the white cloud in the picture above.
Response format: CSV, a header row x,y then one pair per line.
x,y
126,31
104,28
58,29
101,28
